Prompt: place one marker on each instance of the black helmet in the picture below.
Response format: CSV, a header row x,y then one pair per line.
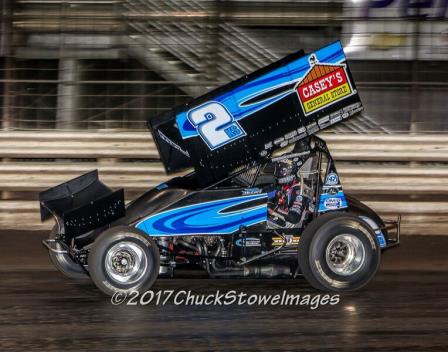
x,y
284,172
282,169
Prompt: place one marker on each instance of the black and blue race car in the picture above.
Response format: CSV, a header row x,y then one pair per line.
x,y
263,197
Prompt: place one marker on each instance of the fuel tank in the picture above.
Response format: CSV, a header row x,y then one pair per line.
x,y
158,198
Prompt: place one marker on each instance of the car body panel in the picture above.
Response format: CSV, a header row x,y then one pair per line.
x,y
209,212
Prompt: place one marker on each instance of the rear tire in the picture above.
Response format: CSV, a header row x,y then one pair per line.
x,y
339,252
64,263
123,259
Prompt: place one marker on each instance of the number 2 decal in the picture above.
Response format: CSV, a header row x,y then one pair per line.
x,y
215,124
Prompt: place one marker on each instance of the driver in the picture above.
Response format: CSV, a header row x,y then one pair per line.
x,y
289,199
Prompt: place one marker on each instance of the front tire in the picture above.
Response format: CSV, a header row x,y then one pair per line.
x,y
123,259
339,252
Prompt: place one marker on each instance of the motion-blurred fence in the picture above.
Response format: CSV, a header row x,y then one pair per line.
x,y
394,174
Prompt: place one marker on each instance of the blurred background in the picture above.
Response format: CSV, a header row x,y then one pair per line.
x,y
111,64
73,72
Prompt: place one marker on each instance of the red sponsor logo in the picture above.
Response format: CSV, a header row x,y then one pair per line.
x,y
322,84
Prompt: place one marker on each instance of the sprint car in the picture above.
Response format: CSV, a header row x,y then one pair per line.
x,y
264,198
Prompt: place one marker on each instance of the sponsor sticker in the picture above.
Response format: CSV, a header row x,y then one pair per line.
x,y
332,179
333,190
161,186
248,242
381,239
323,85
249,191
333,203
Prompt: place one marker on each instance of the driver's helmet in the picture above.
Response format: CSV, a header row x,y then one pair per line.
x,y
284,172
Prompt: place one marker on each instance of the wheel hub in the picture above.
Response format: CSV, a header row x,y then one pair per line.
x,y
126,262
122,262
345,254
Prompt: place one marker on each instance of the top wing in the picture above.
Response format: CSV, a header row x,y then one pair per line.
x,y
247,119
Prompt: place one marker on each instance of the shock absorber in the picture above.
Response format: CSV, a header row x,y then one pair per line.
x,y
223,251
165,245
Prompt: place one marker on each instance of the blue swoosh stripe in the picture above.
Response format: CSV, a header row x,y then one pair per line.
x,y
206,218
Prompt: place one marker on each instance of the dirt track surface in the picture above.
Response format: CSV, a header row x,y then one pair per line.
x,y
402,309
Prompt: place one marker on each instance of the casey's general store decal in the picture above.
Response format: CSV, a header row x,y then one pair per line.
x,y
323,85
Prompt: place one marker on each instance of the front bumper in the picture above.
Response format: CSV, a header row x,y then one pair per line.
x,y
392,228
